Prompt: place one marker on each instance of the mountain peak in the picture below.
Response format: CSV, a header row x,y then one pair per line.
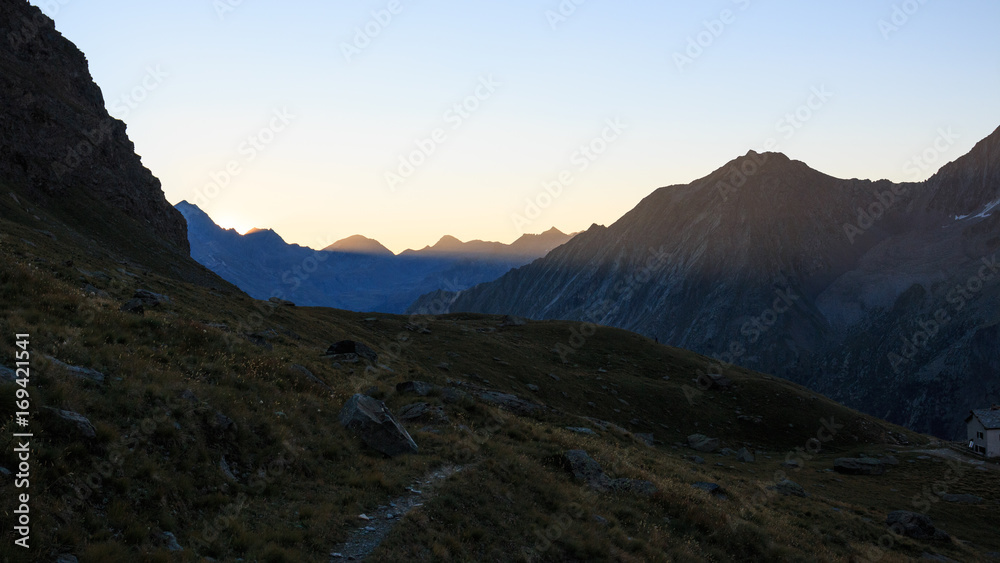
x,y
448,242
359,244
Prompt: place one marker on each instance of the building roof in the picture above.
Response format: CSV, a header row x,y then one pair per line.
x,y
990,418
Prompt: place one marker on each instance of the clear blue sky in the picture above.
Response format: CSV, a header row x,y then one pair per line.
x,y
556,83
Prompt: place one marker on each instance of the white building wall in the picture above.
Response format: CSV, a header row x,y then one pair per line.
x,y
993,443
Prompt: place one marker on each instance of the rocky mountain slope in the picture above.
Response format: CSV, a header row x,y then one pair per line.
x,y
769,264
356,273
57,141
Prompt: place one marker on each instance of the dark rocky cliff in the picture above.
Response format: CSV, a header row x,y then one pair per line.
x,y
58,144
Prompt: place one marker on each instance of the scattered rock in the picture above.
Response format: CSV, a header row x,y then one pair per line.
x,y
703,443
81,422
91,290
914,525
510,402
858,466
647,438
581,430
8,375
4,472
349,350
259,339
789,488
633,486
67,558
726,452
223,422
554,377
890,460
416,328
745,455
171,541
510,320
226,471
419,388
449,395
444,366
718,381
533,387
309,375
376,425
710,488
133,306
150,299
792,464
961,499
82,373
281,302
423,411
697,459
587,470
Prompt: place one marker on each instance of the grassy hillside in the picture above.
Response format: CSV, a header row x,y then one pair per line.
x,y
209,377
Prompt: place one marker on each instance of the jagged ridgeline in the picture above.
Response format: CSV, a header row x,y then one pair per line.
x,y
175,418
881,295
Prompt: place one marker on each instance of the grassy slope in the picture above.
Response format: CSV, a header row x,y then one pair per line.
x,y
303,480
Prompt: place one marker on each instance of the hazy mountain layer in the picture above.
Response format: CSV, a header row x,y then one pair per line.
x,y
356,273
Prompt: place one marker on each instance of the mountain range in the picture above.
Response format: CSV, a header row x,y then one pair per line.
x,y
882,295
154,412
356,273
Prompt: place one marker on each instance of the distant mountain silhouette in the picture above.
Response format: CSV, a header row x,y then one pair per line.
x,y
770,264
356,273
527,246
358,244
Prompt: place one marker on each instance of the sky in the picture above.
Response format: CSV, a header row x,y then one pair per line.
x,y
406,120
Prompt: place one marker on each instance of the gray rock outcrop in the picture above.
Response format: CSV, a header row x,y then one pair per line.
x,y
371,420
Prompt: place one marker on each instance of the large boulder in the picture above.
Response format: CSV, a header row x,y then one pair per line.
x,y
858,466
349,350
374,423
914,525
703,443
